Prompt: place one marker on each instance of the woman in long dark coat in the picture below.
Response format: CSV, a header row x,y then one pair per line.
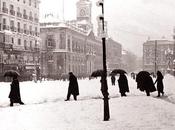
x,y
73,87
14,95
159,82
145,83
123,84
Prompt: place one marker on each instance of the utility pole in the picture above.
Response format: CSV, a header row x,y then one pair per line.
x,y
104,87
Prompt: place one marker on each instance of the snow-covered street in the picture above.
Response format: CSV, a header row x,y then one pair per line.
x,y
46,109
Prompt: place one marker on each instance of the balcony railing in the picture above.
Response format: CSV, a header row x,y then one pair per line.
x,y
19,14
31,18
12,12
25,16
5,27
5,10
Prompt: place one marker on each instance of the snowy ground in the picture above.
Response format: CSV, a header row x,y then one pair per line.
x,y
46,109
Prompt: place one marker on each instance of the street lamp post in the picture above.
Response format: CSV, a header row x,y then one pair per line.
x,y
174,51
104,86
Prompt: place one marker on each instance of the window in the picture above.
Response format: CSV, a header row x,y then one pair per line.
x,y
12,25
4,5
18,9
30,3
68,44
62,41
19,41
30,44
12,40
25,44
36,29
11,7
30,29
24,11
35,4
25,28
18,24
4,24
50,41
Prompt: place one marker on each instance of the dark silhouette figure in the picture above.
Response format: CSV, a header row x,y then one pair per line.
x,y
145,83
133,75
73,87
123,84
113,80
14,95
159,82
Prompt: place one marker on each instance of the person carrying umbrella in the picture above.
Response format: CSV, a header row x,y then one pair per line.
x,y
145,82
123,84
14,95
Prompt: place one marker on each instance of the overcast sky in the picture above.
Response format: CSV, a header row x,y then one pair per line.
x,y
130,22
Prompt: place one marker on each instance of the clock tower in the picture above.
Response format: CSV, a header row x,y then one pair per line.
x,y
84,13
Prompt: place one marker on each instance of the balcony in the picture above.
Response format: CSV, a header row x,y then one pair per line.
x,y
25,16
31,18
19,14
36,20
12,12
12,28
5,10
26,31
5,27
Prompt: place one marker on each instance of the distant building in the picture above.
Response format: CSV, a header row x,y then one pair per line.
x,y
19,35
68,48
129,61
113,54
158,55
72,46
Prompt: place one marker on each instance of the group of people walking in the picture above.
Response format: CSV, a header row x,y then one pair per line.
x,y
144,83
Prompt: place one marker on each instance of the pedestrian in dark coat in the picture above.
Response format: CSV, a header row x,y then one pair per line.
x,y
14,95
123,84
113,80
146,84
73,87
159,82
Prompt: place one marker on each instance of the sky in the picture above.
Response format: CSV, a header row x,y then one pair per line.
x,y
130,22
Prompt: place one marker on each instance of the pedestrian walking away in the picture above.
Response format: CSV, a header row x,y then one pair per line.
x,y
113,80
73,88
123,84
15,96
159,81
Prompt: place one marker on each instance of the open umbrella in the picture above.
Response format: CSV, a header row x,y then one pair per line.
x,y
117,71
145,82
97,73
11,73
141,75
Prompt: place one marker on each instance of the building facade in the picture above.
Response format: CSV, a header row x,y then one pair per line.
x,y
19,35
113,54
158,55
68,48
73,46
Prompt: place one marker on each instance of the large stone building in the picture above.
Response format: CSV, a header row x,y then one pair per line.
x,y
73,46
19,34
158,55
67,48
